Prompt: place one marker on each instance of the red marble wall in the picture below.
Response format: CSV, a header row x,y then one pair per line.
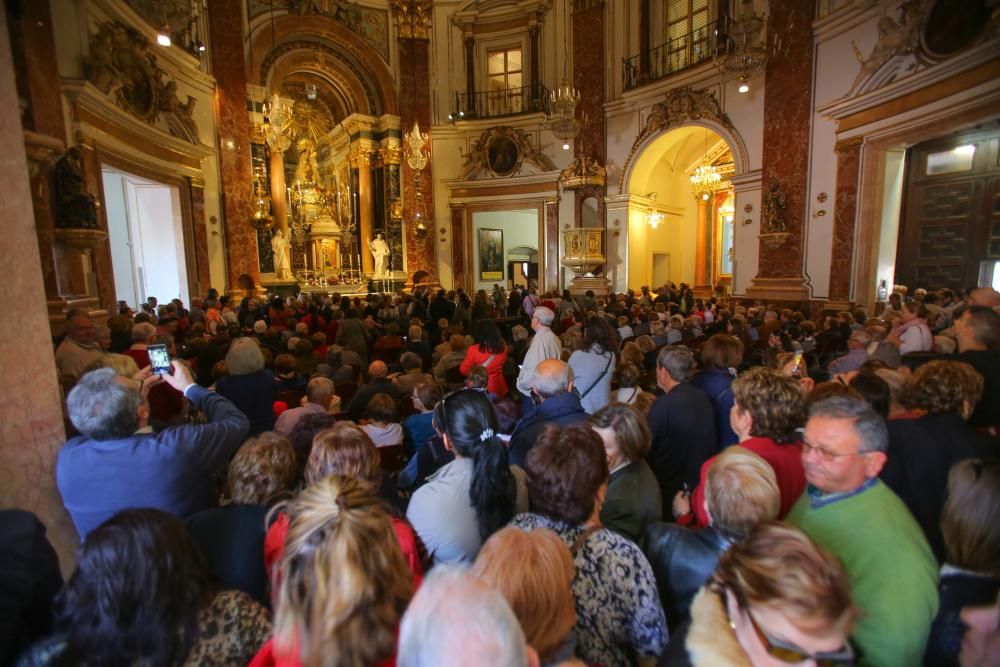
x,y
415,105
788,82
588,76
551,278
233,129
458,246
844,214
34,50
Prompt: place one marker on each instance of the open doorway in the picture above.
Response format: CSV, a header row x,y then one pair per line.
x,y
145,228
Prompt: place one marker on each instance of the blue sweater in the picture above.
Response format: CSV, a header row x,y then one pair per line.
x,y
172,470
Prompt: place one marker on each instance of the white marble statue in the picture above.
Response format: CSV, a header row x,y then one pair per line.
x,y
279,247
380,250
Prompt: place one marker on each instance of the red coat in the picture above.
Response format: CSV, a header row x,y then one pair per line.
x,y
786,460
496,384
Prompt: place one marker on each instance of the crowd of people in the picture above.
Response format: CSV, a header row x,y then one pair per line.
x,y
647,478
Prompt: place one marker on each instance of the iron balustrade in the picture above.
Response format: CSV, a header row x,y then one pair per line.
x,y
499,103
674,55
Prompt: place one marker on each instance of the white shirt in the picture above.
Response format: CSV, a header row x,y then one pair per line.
x,y
384,436
545,345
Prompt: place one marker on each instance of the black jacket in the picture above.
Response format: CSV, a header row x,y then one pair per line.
x,y
682,423
356,408
682,561
562,410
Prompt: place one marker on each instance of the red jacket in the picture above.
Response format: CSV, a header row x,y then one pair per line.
x,y
786,460
496,384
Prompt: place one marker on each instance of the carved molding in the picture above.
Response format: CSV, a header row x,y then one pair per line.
x,y
680,105
122,67
413,18
503,152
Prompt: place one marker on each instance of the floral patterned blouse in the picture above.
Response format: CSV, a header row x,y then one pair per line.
x,y
619,614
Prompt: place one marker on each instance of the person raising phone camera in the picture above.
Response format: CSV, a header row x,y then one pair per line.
x,y
117,461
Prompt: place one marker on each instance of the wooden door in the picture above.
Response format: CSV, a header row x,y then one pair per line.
x,y
951,212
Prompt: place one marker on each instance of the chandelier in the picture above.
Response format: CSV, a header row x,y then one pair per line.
x,y
705,180
654,217
744,55
277,116
561,119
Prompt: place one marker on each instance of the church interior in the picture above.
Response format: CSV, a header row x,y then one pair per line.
x,y
804,153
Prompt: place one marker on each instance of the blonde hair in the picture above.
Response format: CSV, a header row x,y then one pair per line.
x,y
777,567
943,387
534,572
121,364
774,401
262,470
345,582
741,490
343,449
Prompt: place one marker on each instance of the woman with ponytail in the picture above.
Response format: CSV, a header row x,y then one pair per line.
x,y
475,495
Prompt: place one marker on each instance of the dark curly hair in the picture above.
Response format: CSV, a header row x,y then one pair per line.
x,y
943,387
565,469
774,400
134,598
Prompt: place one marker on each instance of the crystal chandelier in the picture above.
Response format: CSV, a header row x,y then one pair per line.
x,y
277,116
744,56
654,217
705,180
563,100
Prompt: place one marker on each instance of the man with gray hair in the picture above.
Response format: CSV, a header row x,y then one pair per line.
x,y
857,354
848,510
682,423
79,349
556,403
319,395
544,345
119,462
455,620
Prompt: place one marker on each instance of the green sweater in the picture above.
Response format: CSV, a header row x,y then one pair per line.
x,y
893,572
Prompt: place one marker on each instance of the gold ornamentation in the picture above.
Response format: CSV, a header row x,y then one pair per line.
x,y
504,151
774,240
415,140
391,154
359,157
581,172
413,18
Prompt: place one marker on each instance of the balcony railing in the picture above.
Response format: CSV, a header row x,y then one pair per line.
x,y
673,56
499,103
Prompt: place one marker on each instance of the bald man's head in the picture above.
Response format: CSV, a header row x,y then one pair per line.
x,y
552,377
984,296
377,369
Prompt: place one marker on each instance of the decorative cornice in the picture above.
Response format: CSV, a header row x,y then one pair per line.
x,y
482,163
680,105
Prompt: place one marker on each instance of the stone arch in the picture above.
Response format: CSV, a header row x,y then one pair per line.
x,y
731,138
345,51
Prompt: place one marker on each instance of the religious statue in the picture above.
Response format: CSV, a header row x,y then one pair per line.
x,y
774,208
76,208
380,250
279,247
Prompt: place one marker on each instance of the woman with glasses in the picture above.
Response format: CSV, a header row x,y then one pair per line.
x,y
775,600
470,498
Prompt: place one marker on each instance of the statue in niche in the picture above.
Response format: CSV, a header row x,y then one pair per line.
x,y
280,249
774,208
380,250
76,208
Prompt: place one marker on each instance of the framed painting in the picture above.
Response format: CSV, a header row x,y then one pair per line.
x,y
491,254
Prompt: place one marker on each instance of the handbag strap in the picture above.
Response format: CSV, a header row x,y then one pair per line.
x,y
599,377
487,362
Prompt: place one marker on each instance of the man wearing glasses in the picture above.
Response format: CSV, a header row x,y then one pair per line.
x,y
850,512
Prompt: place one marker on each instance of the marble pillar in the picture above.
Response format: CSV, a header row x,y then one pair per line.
x,y
31,419
361,160
702,256
279,193
232,124
458,245
845,207
415,106
202,267
787,96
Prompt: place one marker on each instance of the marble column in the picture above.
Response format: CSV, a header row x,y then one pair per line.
x,y
470,77
415,107
202,267
279,192
458,253
845,208
232,124
787,115
361,160
31,418
702,255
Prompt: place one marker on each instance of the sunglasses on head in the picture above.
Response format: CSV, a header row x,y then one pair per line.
x,y
792,654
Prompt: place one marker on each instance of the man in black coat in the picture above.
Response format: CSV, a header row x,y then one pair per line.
x,y
378,383
682,423
552,389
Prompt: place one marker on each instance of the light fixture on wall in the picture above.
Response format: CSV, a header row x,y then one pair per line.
x,y
654,217
277,116
163,36
561,119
